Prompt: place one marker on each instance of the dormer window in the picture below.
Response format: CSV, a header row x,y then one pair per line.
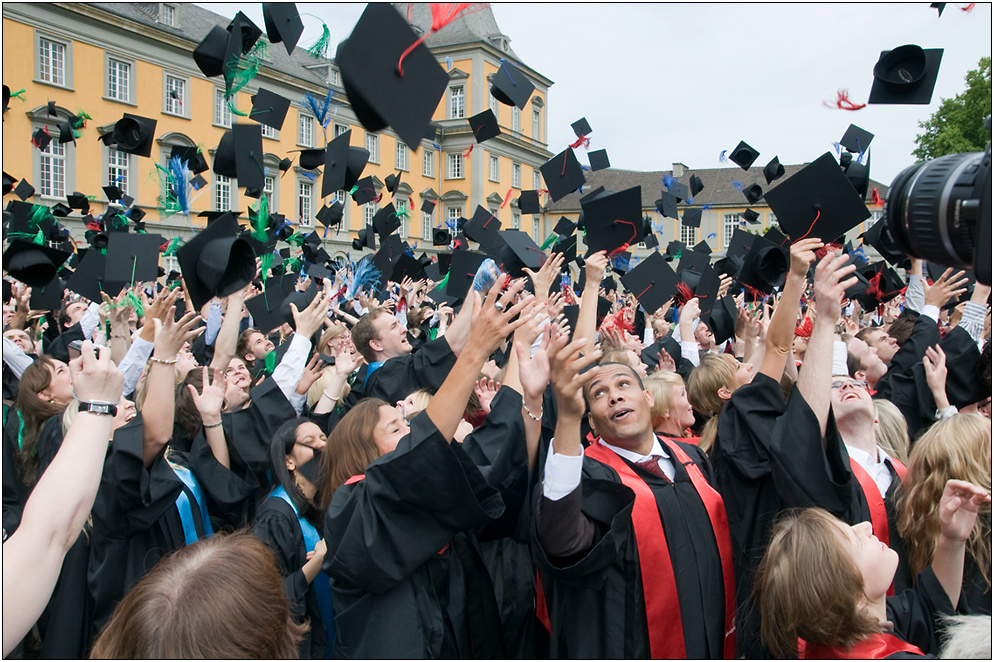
x,y
167,14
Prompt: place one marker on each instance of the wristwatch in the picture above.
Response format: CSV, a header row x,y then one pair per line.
x,y
98,408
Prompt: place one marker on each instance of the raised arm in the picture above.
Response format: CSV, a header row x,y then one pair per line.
x,y
586,321
227,336
208,403
958,510
529,375
780,335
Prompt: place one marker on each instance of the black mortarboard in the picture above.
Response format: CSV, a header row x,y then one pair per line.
x,y
113,193
879,237
390,250
342,167
41,139
484,126
312,158
198,182
905,75
88,278
285,164
609,284
581,127
528,203
269,108
751,217
462,271
696,185
722,320
428,206
441,237
209,53
883,283
366,239
562,174
371,65
216,262
692,218
366,191
674,249
855,139
48,296
679,190
510,86
66,134
753,193
564,227
243,35
283,24
8,183
33,264
598,159
407,266
78,201
247,140
773,170
24,190
650,240
52,112
193,156
483,228
265,307
331,215
817,202
134,134
666,205
696,273
132,257
614,220
703,247
385,221
764,264
743,155
520,251
652,282
858,175
59,209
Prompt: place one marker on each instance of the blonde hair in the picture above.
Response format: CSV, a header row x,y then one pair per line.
x,y
958,447
716,371
421,399
317,388
329,335
891,429
661,384
822,607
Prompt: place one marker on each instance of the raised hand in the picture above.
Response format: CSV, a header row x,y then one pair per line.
x,y
830,286
486,391
948,285
934,363
95,378
491,322
802,256
546,275
565,364
958,508
533,369
594,268
310,319
172,335
209,401
664,361
310,375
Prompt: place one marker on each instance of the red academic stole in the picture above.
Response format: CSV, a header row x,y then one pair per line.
x,y
875,501
875,647
658,583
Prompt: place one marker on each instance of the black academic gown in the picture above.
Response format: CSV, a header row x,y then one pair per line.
x,y
899,384
59,347
407,578
15,491
595,599
276,525
135,518
402,375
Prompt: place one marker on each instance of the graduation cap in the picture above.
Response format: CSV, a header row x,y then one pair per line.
x,y
652,282
385,221
484,126
696,185
567,247
598,159
722,320
428,206
391,248
510,86
133,134
343,164
817,202
113,192
8,183
193,156
858,175
751,217
883,282
66,133
88,278
609,284
743,155
674,249
855,139
650,240
562,174
209,53
33,264
265,307
216,262
581,127
702,247
441,237
613,221
283,24
249,168
407,266
666,205
879,237
462,271
564,227
40,138
386,85
243,34
366,239
310,159
79,201
905,75
392,182
269,108
132,257
331,215
692,218
679,190
520,251
699,279
366,190
764,263
773,170
528,202
24,190
483,228
49,295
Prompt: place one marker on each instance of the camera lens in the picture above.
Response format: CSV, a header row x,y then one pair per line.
x,y
932,209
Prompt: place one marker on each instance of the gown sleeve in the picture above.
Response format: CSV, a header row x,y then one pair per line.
x,y
279,530
399,377
916,611
226,488
746,424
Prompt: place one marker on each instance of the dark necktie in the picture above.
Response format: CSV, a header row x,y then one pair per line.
x,y
651,464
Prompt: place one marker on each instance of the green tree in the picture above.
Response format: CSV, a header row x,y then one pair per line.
x,y
958,125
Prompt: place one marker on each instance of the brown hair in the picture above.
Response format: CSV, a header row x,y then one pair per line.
x,y
351,447
242,346
661,384
187,416
703,382
363,332
34,411
820,607
193,605
958,447
901,328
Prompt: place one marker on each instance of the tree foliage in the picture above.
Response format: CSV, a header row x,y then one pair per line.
x,y
958,125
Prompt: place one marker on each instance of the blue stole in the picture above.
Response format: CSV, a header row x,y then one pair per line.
x,y
373,367
185,508
321,582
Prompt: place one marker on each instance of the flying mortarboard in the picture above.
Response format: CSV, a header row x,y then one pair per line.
x,y
283,24
132,257
855,139
510,86
441,237
753,193
366,191
209,53
702,247
879,237
905,75
562,174
243,34
564,227
581,127
462,271
520,251
113,192
614,220
407,266
48,296
679,190
483,228
385,221
193,156
331,215
269,108
764,263
248,158
666,205
858,175
33,264
134,134
265,307
343,164
528,203
428,206
598,159
312,158
216,262
773,170
652,282
24,190
722,319
88,278
40,138
696,185
743,155
390,250
484,126
8,183
692,218
751,217
78,201
366,239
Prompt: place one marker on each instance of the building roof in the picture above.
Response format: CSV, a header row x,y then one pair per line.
x,y
472,27
194,22
718,187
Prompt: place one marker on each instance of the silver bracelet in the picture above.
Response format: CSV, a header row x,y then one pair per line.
x,y
210,427
531,415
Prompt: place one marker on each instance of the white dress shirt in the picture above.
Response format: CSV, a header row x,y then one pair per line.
x,y
563,472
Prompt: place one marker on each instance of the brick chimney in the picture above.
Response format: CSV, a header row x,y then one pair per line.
x,y
678,170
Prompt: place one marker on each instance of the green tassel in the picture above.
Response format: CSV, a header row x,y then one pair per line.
x,y
233,108
549,241
296,239
242,69
433,333
40,214
133,301
270,363
19,95
291,265
354,189
320,47
265,262
173,246
260,221
445,281
81,118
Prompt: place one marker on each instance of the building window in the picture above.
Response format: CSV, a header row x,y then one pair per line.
x,y
495,107
53,170
305,193
368,212
175,95
494,168
168,15
305,130
270,132
516,175
222,113
515,119
118,80
536,179
730,222
457,102
537,124
536,228
454,213
688,235
333,77
269,187
401,206
426,226
222,193
117,169
339,129
373,147
402,156
515,220
51,61
428,163
454,170
771,220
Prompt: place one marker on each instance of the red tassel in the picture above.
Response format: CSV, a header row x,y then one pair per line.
x,y
379,196
582,140
683,293
842,102
507,197
876,201
969,7
874,289
467,152
803,330
823,251
93,225
442,13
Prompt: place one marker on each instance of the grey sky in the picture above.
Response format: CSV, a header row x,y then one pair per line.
x,y
669,82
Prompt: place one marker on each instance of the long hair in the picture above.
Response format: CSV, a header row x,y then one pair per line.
x,y
34,412
220,598
703,382
823,606
891,429
280,446
958,447
661,384
187,416
351,447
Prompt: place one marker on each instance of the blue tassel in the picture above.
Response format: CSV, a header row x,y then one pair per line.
x,y
486,276
668,181
179,172
723,156
448,63
712,235
737,185
838,148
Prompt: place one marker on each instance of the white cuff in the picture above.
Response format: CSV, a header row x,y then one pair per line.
x,y
928,310
562,474
840,358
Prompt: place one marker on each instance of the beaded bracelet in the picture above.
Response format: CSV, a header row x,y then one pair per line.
x,y
531,415
163,361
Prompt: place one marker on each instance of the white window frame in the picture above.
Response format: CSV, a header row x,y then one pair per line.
x,y
53,169
222,113
536,179
454,213
269,187
116,91
495,107
515,119
401,205
771,219
516,175
339,129
537,124
515,220
270,132
402,156
495,168
454,166
428,162
368,212
168,103
305,129
457,102
728,224
305,203
536,228
427,225
333,78
373,147
688,235
50,75
223,186
116,169
167,14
